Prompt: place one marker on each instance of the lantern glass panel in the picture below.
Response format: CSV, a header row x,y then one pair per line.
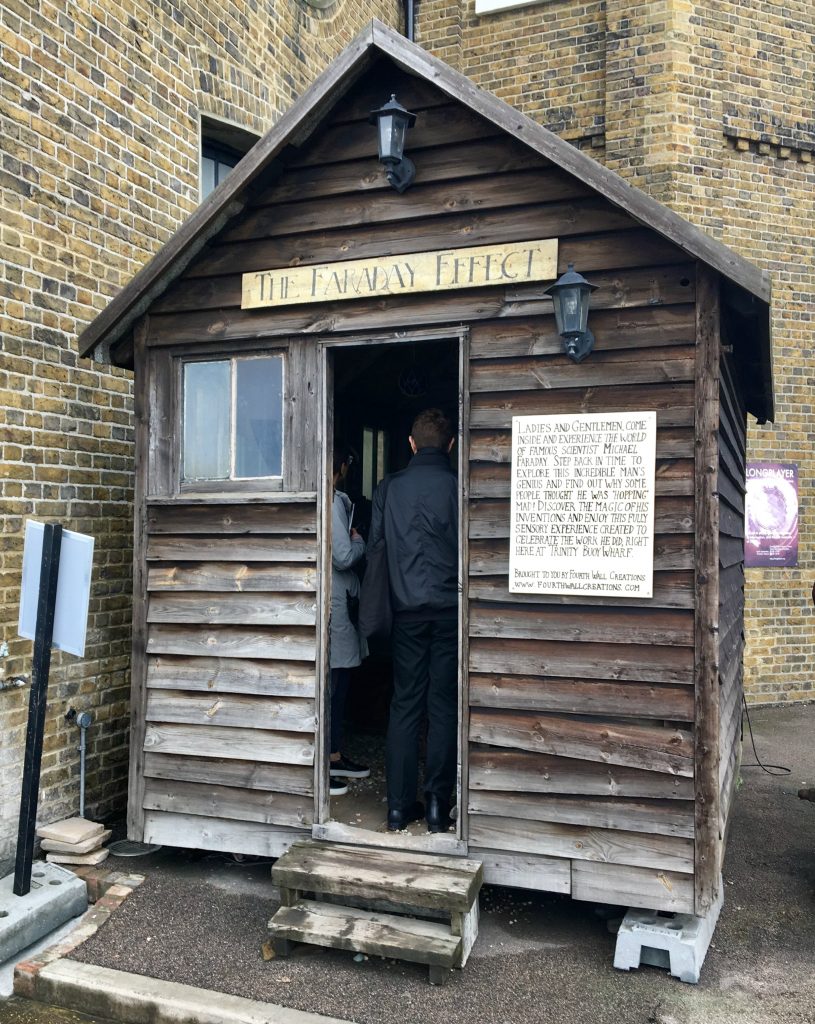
x,y
571,309
391,137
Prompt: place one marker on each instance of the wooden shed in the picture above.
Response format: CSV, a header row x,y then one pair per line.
x,y
600,735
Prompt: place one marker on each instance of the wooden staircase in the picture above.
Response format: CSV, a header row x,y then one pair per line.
x,y
378,901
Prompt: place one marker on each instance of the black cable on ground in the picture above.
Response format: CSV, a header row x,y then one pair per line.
x,y
770,769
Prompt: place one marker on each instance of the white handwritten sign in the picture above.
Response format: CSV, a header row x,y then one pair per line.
x,y
508,264
583,504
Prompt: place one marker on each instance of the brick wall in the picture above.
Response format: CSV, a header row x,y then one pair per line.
x,y
708,106
99,122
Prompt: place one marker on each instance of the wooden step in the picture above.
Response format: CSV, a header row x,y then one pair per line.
x,y
413,879
359,880
403,938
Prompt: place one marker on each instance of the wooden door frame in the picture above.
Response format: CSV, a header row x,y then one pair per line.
x,y
323,827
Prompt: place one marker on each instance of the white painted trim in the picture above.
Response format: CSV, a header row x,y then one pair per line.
x,y
496,6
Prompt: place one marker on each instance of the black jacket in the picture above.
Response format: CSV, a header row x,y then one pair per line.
x,y
420,524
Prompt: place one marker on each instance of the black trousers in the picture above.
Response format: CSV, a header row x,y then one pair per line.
x,y
340,678
425,681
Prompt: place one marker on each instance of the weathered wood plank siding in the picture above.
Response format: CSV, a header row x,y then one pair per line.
x,y
732,483
229,718
582,709
580,714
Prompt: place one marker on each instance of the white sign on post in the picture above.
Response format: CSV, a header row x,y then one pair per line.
x,y
582,518
73,588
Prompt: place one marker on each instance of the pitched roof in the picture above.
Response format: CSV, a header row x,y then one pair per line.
x,y
747,288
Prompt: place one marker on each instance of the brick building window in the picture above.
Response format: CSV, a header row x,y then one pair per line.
x,y
223,146
232,419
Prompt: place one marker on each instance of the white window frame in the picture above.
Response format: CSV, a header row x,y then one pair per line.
x,y
232,481
497,6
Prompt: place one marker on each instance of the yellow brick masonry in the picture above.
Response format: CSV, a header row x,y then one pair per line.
x,y
99,163
708,106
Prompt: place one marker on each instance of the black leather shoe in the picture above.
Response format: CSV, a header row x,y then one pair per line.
x,y
397,820
438,814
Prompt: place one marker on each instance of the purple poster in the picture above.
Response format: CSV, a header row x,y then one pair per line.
x,y
771,513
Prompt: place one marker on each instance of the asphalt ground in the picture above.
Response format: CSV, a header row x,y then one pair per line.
x,y
201,920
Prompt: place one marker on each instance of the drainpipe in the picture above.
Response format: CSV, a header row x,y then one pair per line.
x,y
84,720
410,18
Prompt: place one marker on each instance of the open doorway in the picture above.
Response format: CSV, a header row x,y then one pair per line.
x,y
376,391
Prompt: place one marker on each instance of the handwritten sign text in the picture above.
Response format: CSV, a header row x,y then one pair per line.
x,y
508,264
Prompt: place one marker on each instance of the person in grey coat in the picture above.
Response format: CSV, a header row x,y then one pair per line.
x,y
347,647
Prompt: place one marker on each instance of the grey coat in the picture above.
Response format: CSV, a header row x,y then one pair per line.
x,y
347,647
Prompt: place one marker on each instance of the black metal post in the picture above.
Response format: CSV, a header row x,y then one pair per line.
x,y
49,571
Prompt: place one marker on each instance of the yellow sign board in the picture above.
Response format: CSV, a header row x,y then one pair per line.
x,y
508,264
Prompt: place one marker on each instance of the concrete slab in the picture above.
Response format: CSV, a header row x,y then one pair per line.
x,y
71,830
133,999
86,846
56,896
96,857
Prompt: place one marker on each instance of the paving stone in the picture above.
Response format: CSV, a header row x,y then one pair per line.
x,y
86,846
97,857
71,830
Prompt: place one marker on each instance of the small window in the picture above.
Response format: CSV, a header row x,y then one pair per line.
x,y
233,419
223,146
216,163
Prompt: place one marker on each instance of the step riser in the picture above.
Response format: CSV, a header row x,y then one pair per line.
x,y
363,887
363,937
416,881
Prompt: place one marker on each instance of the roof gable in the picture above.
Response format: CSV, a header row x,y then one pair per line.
x,y
747,286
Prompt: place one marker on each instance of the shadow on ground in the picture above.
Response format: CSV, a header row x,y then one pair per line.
x,y
201,920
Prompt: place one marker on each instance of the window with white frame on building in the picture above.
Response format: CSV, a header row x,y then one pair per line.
x,y
232,419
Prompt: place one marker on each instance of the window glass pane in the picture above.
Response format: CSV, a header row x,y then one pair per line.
x,y
259,417
224,169
207,176
206,420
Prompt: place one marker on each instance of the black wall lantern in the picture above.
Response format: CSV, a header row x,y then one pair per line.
x,y
393,121
570,297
